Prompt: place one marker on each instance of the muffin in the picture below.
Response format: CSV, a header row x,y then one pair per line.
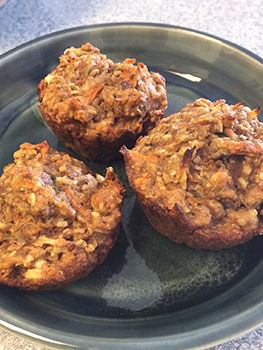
x,y
94,105
198,175
58,220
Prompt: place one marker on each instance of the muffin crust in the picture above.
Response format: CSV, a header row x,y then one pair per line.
x,y
58,220
198,174
94,105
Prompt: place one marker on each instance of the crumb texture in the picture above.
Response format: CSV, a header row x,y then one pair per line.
x,y
94,105
199,174
58,220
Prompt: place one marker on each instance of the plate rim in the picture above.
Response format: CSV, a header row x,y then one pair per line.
x,y
57,34
132,24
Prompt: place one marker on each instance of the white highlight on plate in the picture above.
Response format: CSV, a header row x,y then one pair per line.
x,y
186,76
136,287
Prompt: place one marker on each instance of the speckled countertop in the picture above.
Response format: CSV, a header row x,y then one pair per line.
x,y
239,21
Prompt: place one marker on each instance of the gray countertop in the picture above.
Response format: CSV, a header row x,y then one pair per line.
x,y
239,21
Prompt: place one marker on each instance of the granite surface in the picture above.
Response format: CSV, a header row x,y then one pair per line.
x,y
239,21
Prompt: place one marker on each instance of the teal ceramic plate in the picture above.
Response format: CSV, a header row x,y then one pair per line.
x,y
150,293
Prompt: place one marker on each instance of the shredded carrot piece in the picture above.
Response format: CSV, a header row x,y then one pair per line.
x,y
74,203
139,72
141,179
44,150
25,184
17,217
27,172
51,272
127,76
44,147
31,233
237,105
129,61
103,128
231,133
244,147
125,72
254,113
92,93
144,157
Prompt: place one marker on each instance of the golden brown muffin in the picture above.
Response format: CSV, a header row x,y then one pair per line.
x,y
58,220
198,175
94,106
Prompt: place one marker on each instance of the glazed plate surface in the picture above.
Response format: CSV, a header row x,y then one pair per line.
x,y
150,293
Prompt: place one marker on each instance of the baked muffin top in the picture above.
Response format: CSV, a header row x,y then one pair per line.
x,y
57,217
97,98
206,160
